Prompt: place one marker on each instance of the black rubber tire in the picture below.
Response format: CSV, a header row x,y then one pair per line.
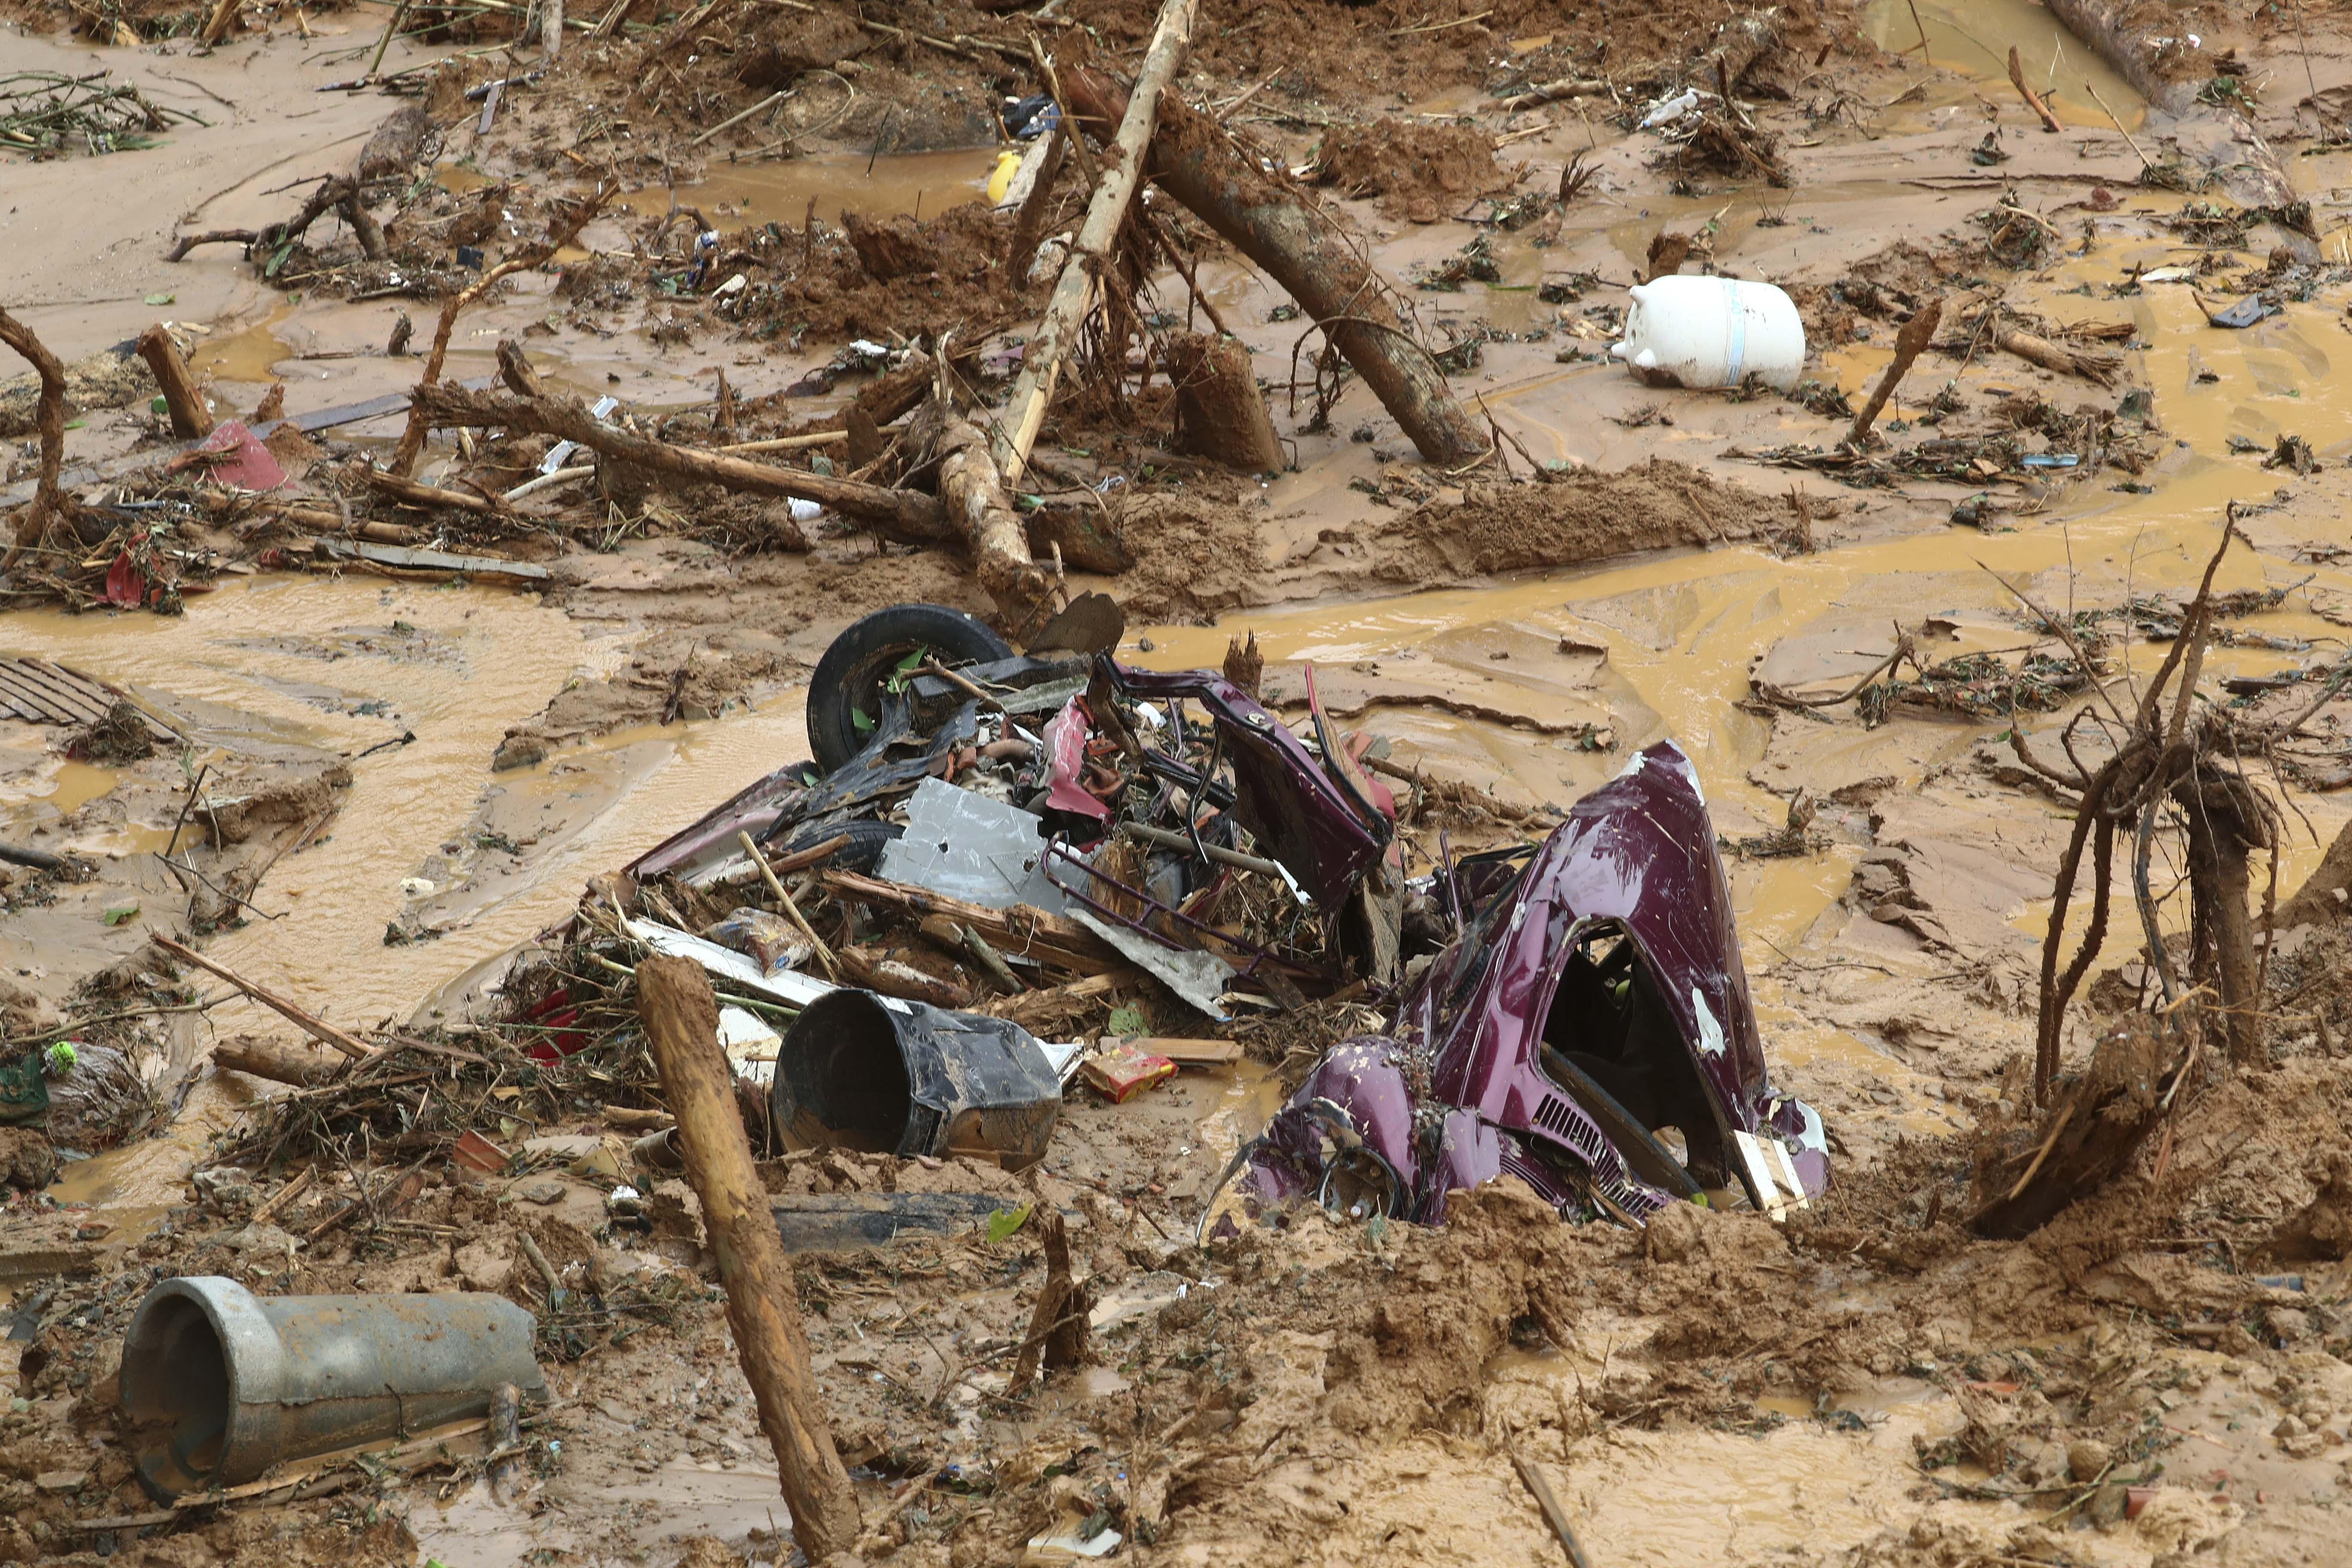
x,y
854,670
861,853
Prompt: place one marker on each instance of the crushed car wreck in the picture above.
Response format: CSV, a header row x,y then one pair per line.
x,y
1572,1015
1593,1009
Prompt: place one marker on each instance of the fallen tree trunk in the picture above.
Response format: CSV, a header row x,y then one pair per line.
x,y
971,494
1306,250
1074,293
908,516
2131,51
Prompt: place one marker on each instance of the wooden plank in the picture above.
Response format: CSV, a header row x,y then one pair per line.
x,y
409,560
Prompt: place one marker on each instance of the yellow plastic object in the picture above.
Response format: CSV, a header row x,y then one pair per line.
x,y
1001,180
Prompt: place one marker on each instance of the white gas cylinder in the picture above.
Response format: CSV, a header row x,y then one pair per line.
x,y
1712,331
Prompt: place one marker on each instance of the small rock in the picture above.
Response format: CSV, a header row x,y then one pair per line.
x,y
61,1481
542,1193
2288,1426
484,1266
2290,1325
2088,1459
2108,1505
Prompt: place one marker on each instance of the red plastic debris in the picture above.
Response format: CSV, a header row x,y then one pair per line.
x,y
234,456
126,585
477,1152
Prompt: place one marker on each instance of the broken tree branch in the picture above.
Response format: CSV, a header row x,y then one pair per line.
x,y
906,516
2033,100
2090,366
1909,343
310,1023
1074,293
412,440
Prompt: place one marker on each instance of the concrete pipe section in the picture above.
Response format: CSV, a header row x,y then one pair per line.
x,y
220,1383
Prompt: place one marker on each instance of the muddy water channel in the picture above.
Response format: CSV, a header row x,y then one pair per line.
x,y
414,686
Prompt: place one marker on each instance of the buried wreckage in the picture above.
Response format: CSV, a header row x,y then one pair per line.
x,y
1574,1015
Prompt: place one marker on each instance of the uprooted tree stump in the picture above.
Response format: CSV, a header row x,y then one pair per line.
x,y
2087,1137
2192,761
1220,413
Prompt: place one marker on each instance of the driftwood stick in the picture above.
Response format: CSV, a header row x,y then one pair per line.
x,y
310,1023
1909,345
2033,100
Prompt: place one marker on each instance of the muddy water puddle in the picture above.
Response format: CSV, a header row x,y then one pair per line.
x,y
333,669
1973,37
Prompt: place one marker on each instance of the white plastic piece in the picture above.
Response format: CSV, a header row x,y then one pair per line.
x,y
805,510
1668,110
788,986
1712,331
750,1043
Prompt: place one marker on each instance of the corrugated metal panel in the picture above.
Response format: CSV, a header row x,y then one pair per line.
x,y
45,693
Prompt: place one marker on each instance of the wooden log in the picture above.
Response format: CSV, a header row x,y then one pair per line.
x,y
681,1021
1310,251
276,1060
417,493
191,419
2097,367
971,494
1220,413
2033,100
897,393
895,977
310,1023
1909,345
1082,271
217,25
908,516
